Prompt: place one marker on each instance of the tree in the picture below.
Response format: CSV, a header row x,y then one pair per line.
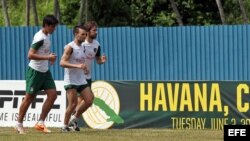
x,y
176,11
142,12
70,12
27,12
109,12
130,12
35,12
243,11
14,2
57,10
86,10
222,15
81,11
5,13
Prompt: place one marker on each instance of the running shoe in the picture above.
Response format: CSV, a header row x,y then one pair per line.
x,y
65,129
74,125
42,127
19,129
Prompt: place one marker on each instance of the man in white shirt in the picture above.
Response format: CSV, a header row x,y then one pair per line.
x,y
38,75
74,63
92,51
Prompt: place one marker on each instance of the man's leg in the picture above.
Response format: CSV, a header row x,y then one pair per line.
x,y
80,98
87,101
49,102
47,105
72,103
22,111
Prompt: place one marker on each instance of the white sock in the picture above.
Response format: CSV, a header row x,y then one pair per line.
x,y
19,124
40,122
73,118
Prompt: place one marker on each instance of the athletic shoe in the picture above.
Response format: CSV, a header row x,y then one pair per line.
x,y
42,127
74,125
19,129
65,129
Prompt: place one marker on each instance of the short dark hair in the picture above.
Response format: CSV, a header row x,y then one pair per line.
x,y
77,27
90,24
50,20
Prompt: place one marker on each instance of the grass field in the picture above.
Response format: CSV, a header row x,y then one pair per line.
x,y
9,134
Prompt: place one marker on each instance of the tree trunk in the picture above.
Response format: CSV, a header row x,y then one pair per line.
x,y
222,15
86,10
177,13
5,13
243,12
35,12
80,21
27,12
57,10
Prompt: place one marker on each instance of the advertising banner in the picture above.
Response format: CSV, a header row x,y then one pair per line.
x,y
169,104
141,104
11,96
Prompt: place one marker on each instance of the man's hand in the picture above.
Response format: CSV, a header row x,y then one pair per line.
x,y
52,58
84,67
103,59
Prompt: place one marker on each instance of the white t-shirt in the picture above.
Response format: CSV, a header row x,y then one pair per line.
x,y
41,43
75,76
90,50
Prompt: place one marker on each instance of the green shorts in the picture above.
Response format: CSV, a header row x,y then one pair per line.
x,y
78,88
36,81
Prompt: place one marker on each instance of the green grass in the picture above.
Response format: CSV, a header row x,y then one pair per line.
x,y
9,134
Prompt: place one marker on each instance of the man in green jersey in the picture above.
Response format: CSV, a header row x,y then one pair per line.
x,y
38,75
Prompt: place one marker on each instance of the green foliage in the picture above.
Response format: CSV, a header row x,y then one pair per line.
x,y
131,12
164,19
142,12
233,16
17,10
199,12
16,17
110,12
70,11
